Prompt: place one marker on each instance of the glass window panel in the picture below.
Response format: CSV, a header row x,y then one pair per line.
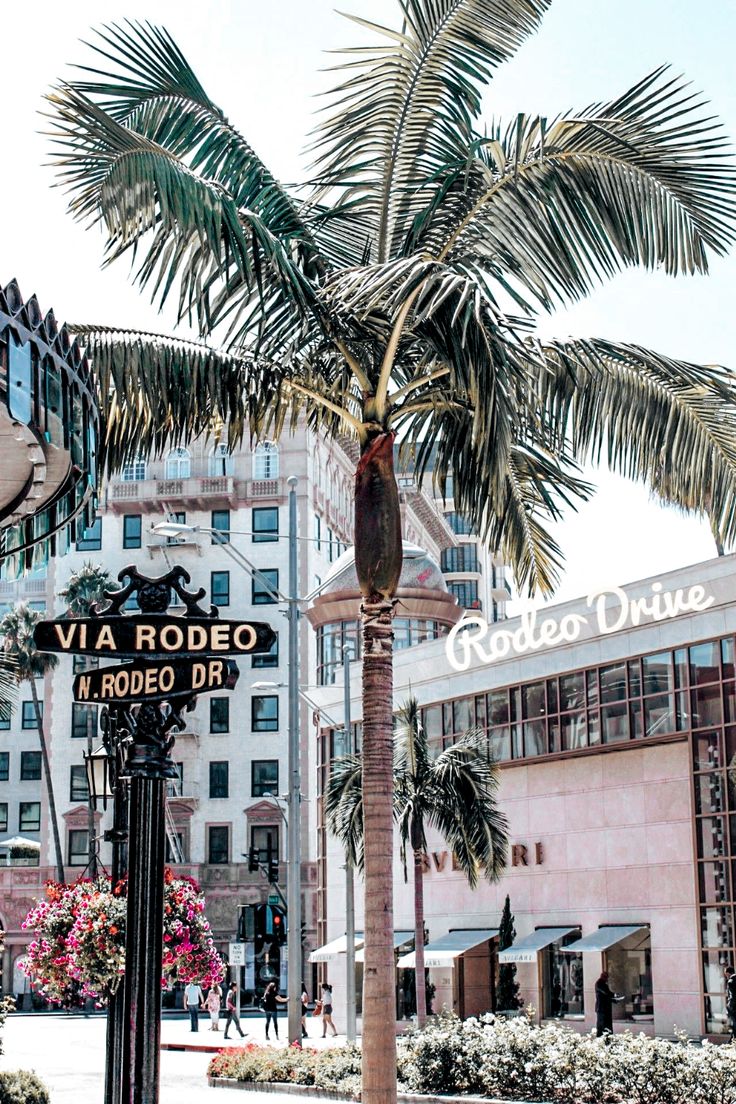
x,y
573,731
30,766
517,742
264,777
681,666
265,713
729,702
683,717
447,719
515,703
265,524
498,707
657,673
630,969
552,696
716,1020
433,722
634,678
714,881
614,723
594,727
20,387
591,679
218,845
554,734
219,714
78,847
533,699
500,744
220,522
710,833
132,531
707,706
730,744
480,711
563,982
3,816
571,691
613,682
4,765
535,738
29,816
220,588
219,779
728,658
707,754
462,715
705,663
659,715
264,586
636,713
714,963
710,793
716,927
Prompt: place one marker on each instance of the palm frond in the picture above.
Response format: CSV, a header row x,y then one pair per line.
x,y
16,633
344,806
8,685
560,206
406,103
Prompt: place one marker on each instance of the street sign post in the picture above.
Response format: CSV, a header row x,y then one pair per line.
x,y
236,954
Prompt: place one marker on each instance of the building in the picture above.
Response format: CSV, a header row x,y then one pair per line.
x,y
614,721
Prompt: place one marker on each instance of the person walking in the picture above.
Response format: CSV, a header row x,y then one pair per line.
x,y
193,1001
214,1000
327,1010
270,1004
305,1005
731,1000
232,1002
604,1001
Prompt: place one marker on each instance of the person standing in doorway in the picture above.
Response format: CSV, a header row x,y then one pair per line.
x,y
731,1000
270,1005
232,1002
604,1001
327,1010
193,1001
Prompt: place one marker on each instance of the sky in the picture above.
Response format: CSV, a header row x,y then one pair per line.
x,y
264,64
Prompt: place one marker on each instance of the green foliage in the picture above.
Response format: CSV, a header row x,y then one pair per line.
x,y
507,990
22,1087
85,588
336,1068
16,629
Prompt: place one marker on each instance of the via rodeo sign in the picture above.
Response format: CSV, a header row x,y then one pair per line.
x,y
174,656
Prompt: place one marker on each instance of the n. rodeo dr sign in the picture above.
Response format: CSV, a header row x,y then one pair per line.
x,y
154,680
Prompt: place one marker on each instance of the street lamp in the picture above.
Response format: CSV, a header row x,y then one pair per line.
x,y
99,776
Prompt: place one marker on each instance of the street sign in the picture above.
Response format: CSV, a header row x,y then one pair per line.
x,y
236,954
274,899
155,636
155,680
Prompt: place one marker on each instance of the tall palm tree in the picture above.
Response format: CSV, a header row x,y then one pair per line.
x,y
16,629
396,294
84,590
453,792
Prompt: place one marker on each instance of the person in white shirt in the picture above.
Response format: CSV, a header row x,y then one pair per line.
x,y
193,1001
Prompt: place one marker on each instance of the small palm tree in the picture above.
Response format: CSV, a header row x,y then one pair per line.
x,y
85,589
17,628
453,792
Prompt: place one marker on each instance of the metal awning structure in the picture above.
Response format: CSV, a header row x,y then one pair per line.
x,y
337,947
400,938
606,937
528,948
443,951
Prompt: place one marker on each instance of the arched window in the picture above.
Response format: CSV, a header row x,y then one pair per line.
x,y
220,461
179,464
266,461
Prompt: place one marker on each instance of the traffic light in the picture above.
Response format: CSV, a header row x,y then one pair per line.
x,y
253,863
278,917
273,871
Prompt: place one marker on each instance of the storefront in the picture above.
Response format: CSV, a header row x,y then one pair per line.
x,y
614,722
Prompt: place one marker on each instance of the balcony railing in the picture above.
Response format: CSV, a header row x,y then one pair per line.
x,y
204,490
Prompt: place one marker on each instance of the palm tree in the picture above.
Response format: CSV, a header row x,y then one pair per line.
x,y
85,589
16,629
396,295
453,792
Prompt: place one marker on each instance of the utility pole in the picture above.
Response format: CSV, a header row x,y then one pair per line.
x,y
293,878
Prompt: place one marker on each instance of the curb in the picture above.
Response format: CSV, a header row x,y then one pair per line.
x,y
291,1089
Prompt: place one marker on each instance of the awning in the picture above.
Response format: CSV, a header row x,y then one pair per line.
x,y
527,949
444,951
336,947
400,938
605,937
20,841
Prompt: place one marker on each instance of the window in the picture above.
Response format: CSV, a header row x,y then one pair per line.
x,y
91,539
179,464
563,980
220,521
132,531
175,786
265,713
318,532
260,595
264,777
220,461
269,658
466,592
4,766
266,461
84,721
3,816
330,546
629,964
459,523
29,816
178,517
220,588
219,714
218,844
28,714
265,839
78,788
30,766
5,721
78,847
220,779
462,558
265,524
178,853
134,471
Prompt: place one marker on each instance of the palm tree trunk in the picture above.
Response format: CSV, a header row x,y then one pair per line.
x,y
379,983
420,979
49,784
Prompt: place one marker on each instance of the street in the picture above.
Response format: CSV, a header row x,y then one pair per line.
x,y
68,1053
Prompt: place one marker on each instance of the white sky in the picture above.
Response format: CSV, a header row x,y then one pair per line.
x,y
260,63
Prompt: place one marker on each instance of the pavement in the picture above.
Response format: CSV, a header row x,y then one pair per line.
x,y
68,1053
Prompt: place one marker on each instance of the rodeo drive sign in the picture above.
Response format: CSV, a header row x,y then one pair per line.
x,y
472,633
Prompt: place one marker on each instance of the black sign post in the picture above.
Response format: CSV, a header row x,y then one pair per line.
x,y
175,658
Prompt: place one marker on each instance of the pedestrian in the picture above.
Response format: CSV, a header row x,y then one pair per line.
x,y
270,1004
305,1004
232,1003
193,1001
604,1001
327,1010
214,1000
731,1000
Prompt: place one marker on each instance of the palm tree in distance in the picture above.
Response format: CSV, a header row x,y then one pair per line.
x,y
16,629
453,792
395,295
83,592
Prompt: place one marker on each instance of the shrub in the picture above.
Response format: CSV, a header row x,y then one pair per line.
x,y
22,1087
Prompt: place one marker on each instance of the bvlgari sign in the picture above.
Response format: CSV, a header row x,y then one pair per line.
x,y
612,610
